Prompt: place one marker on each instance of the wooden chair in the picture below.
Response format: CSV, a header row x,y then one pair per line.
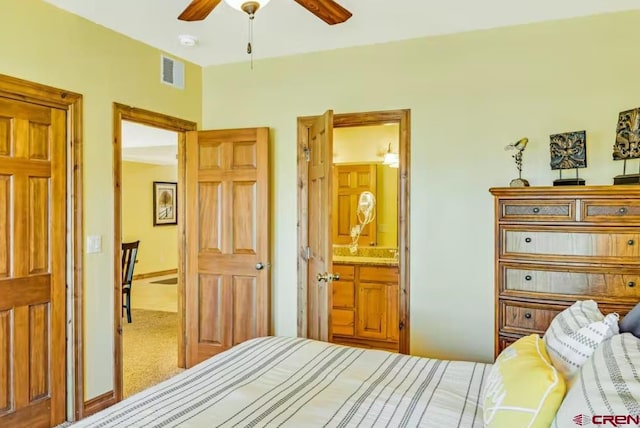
x,y
129,253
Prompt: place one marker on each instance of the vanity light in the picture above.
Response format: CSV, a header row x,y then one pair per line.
x,y
391,159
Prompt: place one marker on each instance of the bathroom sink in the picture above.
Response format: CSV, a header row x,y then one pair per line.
x,y
383,261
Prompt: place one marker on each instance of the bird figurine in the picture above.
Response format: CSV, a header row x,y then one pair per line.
x,y
519,146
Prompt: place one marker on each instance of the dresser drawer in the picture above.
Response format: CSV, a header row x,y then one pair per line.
x,y
527,318
537,210
518,319
611,211
572,282
571,245
504,341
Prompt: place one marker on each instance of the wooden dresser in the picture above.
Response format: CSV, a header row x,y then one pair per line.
x,y
556,245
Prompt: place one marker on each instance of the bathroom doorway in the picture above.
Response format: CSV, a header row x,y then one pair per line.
x,y
353,229
364,213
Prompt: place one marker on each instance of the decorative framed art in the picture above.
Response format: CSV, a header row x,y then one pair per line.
x,y
165,206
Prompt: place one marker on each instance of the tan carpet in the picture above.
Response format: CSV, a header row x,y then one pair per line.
x,y
150,349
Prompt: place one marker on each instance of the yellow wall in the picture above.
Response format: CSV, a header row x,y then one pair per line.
x,y
470,95
41,43
367,144
387,208
158,250
364,143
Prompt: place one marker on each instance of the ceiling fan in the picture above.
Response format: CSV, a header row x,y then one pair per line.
x,y
327,10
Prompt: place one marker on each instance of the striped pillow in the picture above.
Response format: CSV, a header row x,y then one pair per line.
x,y
606,390
575,333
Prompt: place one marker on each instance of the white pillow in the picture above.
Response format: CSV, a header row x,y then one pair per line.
x,y
606,386
575,333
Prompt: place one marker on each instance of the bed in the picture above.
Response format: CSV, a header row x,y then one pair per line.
x,y
294,382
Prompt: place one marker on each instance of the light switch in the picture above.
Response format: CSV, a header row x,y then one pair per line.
x,y
94,244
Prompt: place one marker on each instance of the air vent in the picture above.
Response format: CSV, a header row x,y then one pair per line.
x,y
172,72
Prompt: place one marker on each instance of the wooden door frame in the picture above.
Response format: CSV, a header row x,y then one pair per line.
x,y
403,119
35,93
157,120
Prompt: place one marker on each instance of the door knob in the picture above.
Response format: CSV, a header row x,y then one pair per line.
x,y
328,277
260,265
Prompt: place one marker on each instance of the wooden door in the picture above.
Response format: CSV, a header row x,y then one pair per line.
x,y
320,227
32,264
349,181
227,235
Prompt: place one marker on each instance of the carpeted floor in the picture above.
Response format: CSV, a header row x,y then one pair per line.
x,y
150,349
154,297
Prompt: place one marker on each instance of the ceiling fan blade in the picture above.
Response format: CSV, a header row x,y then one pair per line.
x,y
198,10
327,10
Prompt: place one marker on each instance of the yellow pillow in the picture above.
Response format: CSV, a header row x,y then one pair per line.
x,y
523,388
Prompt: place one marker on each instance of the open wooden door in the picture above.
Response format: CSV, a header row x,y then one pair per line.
x,y
320,149
227,278
32,264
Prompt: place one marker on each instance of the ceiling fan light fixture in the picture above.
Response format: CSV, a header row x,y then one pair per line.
x,y
248,6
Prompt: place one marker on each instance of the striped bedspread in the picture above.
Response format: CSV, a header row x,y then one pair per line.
x,y
292,382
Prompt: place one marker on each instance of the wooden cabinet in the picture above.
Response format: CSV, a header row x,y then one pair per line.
x,y
349,181
556,245
365,306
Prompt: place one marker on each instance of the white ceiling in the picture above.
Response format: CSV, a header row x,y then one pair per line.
x,y
145,144
285,28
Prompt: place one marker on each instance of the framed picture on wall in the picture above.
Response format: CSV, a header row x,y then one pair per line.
x,y
165,207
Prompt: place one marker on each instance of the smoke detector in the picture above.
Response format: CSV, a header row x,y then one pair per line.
x,y
188,40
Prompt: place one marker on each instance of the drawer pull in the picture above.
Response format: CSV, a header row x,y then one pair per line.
x,y
536,210
528,277
622,210
528,240
527,315
631,242
631,284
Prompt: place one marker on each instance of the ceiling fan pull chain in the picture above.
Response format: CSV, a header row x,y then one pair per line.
x,y
250,44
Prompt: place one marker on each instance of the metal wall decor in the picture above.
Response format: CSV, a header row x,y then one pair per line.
x,y
568,151
627,145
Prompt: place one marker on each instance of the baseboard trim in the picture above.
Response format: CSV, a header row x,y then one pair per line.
x,y
154,274
98,403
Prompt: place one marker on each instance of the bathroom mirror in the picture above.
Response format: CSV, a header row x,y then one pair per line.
x,y
358,167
